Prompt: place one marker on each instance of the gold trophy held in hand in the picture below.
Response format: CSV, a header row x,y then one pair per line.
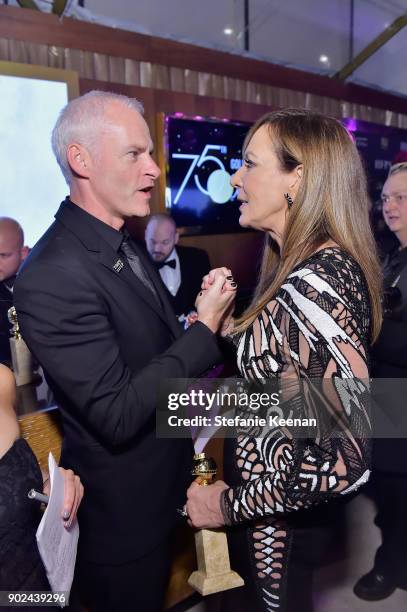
x,y
214,573
21,357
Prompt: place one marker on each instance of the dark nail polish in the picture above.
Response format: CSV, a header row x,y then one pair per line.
x,y
229,278
233,284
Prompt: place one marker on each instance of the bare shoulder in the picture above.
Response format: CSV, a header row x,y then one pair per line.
x,y
9,430
7,386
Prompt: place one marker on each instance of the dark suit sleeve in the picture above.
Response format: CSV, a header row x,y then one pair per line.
x,y
198,266
70,334
204,263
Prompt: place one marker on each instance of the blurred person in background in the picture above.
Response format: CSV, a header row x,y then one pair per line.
x,y
181,268
12,254
389,360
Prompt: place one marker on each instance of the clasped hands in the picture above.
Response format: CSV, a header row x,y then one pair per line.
x,y
215,303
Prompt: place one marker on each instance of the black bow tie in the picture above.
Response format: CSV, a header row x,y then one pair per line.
x,y
172,263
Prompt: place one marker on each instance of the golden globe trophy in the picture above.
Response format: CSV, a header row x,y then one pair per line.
x,y
21,357
214,573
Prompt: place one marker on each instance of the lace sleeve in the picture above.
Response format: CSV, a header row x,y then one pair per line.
x,y
318,328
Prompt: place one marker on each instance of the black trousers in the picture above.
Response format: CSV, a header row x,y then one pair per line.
x,y
390,494
138,586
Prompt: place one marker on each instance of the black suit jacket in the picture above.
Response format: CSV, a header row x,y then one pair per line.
x,y
105,344
194,264
389,360
6,302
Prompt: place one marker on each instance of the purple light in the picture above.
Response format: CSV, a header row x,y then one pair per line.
x,y
196,118
350,124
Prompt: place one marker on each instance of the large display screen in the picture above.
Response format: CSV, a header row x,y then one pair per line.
x,y
31,183
200,157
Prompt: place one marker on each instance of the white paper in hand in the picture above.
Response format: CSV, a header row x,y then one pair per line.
x,y
57,545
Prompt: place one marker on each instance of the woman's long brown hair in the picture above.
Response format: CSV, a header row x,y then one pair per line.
x,y
332,203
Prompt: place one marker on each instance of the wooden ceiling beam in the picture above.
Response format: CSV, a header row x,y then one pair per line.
x,y
380,40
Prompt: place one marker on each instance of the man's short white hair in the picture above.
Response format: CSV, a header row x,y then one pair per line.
x,y
82,120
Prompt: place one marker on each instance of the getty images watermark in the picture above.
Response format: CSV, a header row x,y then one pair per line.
x,y
249,408
297,408
232,407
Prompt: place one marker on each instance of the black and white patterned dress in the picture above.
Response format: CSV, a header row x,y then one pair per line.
x,y
317,327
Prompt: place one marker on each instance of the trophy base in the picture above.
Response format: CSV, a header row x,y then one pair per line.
x,y
213,574
206,585
22,362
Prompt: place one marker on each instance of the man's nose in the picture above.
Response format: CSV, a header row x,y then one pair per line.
x,y
389,205
153,170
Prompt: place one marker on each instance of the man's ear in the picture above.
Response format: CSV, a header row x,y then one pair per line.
x,y
79,160
24,252
176,238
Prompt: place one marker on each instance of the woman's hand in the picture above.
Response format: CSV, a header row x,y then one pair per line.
x,y
73,493
203,505
216,300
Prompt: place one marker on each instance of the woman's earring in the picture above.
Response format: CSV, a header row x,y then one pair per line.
x,y
289,199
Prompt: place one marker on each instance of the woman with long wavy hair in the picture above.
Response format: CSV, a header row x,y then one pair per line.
x,y
314,314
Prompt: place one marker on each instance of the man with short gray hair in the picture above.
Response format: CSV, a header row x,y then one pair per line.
x,y
93,311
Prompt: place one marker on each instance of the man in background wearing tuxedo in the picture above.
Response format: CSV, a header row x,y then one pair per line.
x,y
181,268
94,312
12,254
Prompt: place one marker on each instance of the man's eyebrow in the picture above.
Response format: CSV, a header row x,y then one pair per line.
x,y
140,147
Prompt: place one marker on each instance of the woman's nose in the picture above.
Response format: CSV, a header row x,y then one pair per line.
x,y
235,179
